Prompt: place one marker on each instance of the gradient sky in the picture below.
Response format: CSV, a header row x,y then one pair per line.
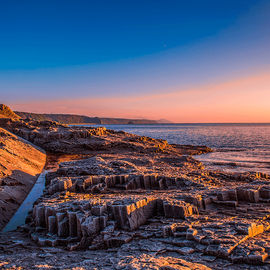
x,y
186,61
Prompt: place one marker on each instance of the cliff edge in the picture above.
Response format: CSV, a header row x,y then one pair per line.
x,y
6,112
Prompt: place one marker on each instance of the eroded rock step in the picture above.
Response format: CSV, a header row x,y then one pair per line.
x,y
76,218
92,212
97,184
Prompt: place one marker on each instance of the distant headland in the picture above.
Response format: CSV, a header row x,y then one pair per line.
x,y
82,119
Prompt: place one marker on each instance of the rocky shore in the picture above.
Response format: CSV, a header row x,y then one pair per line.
x,y
115,200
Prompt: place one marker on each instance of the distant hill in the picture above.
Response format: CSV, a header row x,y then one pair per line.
x,y
81,119
6,112
164,121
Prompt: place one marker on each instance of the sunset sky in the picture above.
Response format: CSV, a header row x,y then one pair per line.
x,y
185,61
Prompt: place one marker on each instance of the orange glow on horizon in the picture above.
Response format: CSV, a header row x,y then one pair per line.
x,y
245,99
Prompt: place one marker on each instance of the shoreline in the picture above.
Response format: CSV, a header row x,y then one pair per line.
x,y
175,124
110,190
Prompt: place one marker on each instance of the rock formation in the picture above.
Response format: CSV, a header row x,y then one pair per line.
x,y
90,212
131,202
6,112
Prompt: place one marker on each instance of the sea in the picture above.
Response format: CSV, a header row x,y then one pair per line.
x,y
237,147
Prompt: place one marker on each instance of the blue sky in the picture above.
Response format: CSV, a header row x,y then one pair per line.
x,y
53,50
41,34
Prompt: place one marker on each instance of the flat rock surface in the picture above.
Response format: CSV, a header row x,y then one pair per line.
x,y
17,251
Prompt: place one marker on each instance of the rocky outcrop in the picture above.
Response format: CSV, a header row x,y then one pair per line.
x,y
72,218
6,112
102,183
57,138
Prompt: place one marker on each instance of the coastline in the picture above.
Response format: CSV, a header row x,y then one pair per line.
x,y
237,140
138,191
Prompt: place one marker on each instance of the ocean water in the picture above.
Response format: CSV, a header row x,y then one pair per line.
x,y
238,147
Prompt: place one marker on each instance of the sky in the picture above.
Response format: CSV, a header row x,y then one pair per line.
x,y
184,61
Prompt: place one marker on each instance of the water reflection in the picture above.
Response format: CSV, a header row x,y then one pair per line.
x,y
246,145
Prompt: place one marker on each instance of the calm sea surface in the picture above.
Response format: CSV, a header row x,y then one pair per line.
x,y
239,147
